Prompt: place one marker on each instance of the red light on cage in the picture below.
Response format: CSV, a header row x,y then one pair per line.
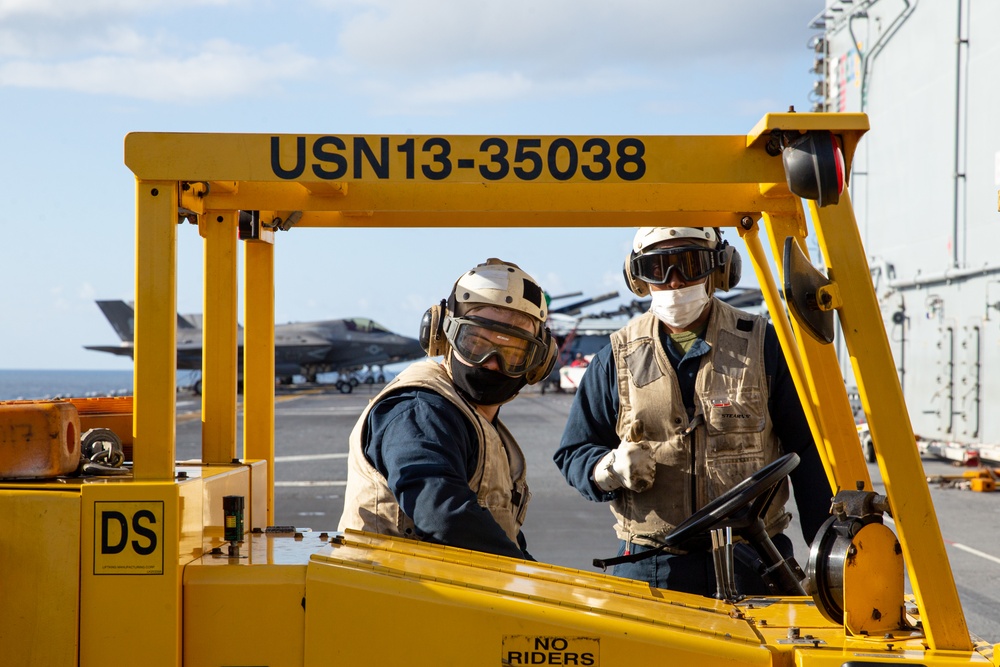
x,y
814,167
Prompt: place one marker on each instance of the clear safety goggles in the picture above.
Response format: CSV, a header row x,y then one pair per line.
x,y
476,339
690,262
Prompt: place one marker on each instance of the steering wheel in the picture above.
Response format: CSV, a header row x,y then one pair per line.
x,y
753,495
742,508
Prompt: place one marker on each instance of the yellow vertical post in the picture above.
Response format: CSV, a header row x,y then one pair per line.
x,y
769,289
258,359
824,380
882,398
219,338
154,431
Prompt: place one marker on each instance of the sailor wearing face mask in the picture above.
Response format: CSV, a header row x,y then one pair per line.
x,y
429,459
685,402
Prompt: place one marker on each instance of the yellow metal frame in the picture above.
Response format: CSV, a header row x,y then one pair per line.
x,y
399,181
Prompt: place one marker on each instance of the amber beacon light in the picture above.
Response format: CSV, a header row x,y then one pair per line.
x,y
814,166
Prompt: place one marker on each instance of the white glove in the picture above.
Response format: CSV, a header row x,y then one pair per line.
x,y
631,465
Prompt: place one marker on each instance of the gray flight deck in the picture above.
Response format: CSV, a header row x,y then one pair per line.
x,y
312,428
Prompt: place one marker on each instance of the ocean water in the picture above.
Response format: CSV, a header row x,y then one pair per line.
x,y
29,385
19,384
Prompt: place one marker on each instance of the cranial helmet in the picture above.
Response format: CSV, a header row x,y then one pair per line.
x,y
493,283
646,237
498,283
724,258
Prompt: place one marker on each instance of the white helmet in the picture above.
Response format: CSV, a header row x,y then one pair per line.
x,y
649,236
501,284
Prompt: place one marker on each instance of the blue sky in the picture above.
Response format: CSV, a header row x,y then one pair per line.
x,y
77,76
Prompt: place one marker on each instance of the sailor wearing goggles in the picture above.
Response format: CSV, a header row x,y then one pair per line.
x,y
482,341
429,459
685,402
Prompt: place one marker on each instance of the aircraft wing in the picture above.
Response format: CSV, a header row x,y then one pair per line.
x,y
121,350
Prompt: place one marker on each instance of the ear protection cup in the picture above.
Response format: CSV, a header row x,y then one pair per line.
x,y
542,371
431,335
731,268
637,287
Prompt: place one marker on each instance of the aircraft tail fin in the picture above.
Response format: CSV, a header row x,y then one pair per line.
x,y
189,321
121,316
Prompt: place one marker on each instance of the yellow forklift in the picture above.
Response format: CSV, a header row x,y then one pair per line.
x,y
157,562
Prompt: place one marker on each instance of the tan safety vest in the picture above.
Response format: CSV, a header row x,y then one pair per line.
x,y
499,480
732,438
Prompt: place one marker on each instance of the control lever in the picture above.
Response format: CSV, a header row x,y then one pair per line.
x,y
722,557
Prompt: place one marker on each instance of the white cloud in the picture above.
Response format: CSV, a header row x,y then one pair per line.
x,y
159,50
221,70
74,9
405,56
431,56
568,35
471,87
403,96
55,42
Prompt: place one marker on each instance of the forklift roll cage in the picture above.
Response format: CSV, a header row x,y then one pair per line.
x,y
277,182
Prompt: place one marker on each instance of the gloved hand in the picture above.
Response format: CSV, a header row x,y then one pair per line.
x,y
630,465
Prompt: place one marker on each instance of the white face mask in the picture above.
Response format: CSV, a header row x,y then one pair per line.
x,y
679,307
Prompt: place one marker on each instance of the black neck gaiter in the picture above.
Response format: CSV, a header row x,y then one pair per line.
x,y
483,386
